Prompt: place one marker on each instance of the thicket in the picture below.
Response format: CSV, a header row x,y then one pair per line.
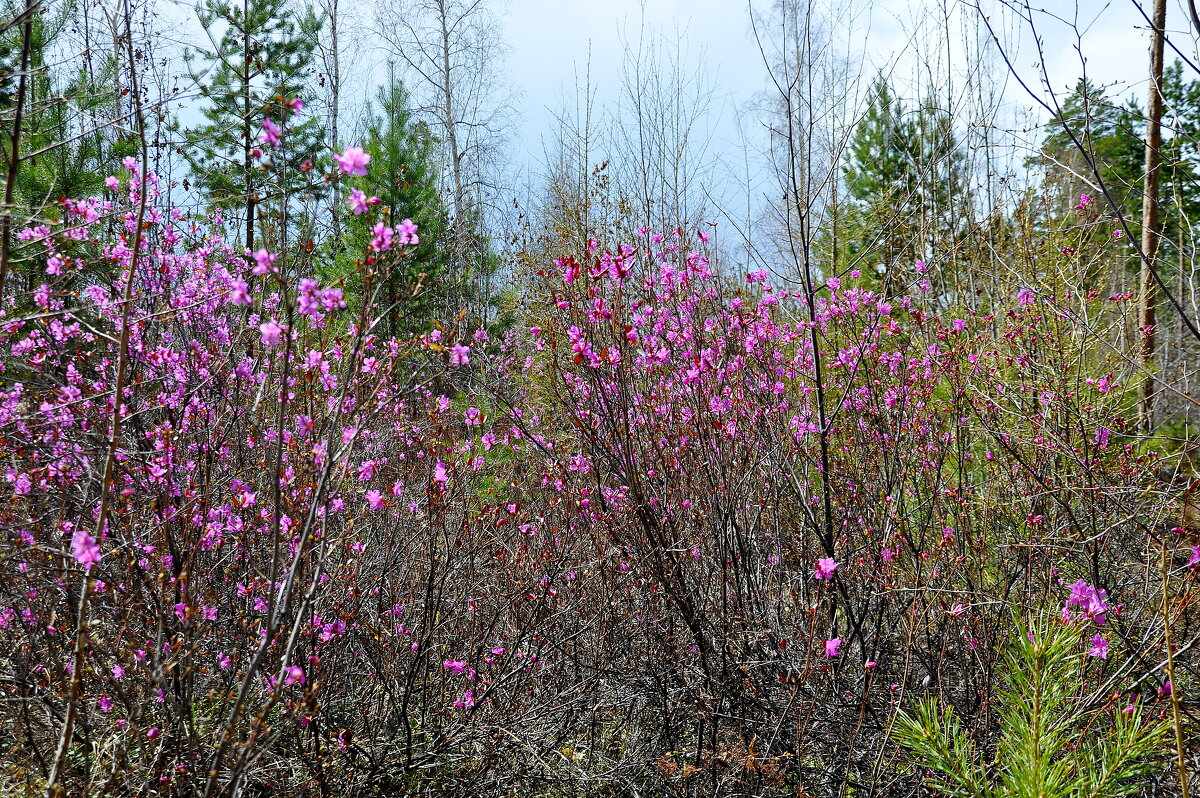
x,y
278,523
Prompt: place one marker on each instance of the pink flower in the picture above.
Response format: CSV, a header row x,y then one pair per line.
x,y
353,161
1025,297
1091,601
118,672
296,105
264,262
271,132
239,293
1194,561
381,239
439,473
458,355
84,549
112,183
1099,647
832,646
455,666
408,232
825,568
375,500
359,201
271,332
294,674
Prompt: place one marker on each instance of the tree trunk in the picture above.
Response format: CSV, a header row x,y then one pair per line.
x,y
1150,223
247,146
335,90
14,156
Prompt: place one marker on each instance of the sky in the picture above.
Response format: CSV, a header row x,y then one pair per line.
x,y
552,40
551,44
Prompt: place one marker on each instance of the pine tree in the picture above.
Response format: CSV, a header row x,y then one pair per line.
x,y
903,175
1181,153
881,149
10,57
64,149
260,63
1108,133
404,176
1051,742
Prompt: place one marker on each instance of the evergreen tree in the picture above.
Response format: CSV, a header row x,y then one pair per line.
x,y
1108,133
1050,742
903,176
65,150
1093,142
1181,151
61,154
881,149
404,176
10,57
259,64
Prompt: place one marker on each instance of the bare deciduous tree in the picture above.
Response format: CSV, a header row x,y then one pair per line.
x,y
662,131
450,49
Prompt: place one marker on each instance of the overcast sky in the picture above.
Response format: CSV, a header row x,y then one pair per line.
x,y
551,39
554,42
551,43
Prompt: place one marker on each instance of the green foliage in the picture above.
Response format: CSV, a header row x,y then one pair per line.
x,y
904,174
881,149
10,58
404,175
1180,181
64,150
261,59
1109,133
1049,744
1181,148
62,155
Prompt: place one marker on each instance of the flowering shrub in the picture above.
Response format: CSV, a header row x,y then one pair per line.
x,y
680,532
